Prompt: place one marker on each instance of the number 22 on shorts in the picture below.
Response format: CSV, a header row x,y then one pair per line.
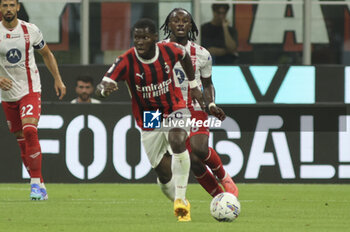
x,y
26,110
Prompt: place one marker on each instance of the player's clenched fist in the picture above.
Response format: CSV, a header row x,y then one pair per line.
x,y
217,112
105,88
5,84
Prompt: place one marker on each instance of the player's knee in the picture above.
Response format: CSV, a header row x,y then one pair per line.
x,y
199,149
197,166
164,179
164,176
177,140
163,170
30,132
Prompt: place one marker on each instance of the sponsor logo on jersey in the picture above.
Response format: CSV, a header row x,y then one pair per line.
x,y
180,75
166,68
154,90
12,36
140,75
13,55
151,119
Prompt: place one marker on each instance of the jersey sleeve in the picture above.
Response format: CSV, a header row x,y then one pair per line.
x,y
117,72
206,64
38,39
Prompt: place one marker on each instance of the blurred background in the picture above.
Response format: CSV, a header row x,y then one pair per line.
x,y
268,31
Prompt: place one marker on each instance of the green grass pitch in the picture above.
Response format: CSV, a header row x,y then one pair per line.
x,y
142,207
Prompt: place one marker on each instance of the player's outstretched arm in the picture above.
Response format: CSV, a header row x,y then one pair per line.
x,y
51,64
5,83
105,88
208,90
209,97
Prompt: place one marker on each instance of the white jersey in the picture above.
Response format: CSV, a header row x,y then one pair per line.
x,y
17,60
202,63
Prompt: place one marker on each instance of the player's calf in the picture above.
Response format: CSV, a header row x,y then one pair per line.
x,y
214,163
205,178
33,150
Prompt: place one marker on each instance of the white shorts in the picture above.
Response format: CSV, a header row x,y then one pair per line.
x,y
156,142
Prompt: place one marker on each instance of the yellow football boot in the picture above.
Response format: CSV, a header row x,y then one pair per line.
x,y
182,211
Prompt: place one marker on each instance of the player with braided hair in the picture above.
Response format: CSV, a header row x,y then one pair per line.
x,y
180,27
193,31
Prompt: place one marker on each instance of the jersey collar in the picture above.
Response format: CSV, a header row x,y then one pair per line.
x,y
150,61
12,29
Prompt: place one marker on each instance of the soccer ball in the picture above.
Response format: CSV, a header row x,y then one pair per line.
x,y
225,207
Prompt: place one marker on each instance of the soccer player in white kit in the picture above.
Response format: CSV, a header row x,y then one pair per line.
x,y
179,27
20,87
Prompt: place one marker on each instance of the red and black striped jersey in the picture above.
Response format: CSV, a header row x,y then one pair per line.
x,y
151,82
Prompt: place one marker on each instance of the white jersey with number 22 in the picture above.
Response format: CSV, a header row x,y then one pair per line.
x,y
17,60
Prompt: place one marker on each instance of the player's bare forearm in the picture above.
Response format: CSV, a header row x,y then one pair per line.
x,y
209,98
51,64
208,90
197,95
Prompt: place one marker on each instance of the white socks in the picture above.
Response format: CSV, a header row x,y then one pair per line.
x,y
180,167
168,189
42,185
35,181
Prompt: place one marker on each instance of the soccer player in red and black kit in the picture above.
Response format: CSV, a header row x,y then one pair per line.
x,y
147,70
179,27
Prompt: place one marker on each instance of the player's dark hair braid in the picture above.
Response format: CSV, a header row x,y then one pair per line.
x,y
191,34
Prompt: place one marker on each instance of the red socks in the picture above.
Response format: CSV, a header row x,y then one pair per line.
x,y
22,146
32,150
209,183
213,161
207,180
